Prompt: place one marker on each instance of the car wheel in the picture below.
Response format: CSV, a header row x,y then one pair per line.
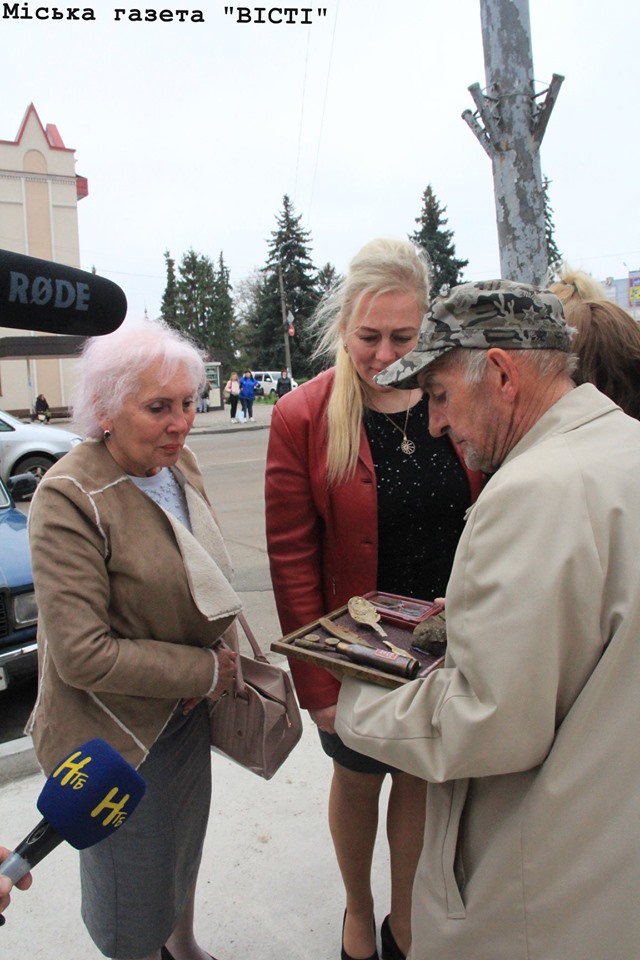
x,y
38,466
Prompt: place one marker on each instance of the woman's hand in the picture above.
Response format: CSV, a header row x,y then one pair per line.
x,y
226,671
325,718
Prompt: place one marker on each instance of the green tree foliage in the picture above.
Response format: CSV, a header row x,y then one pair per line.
x,y
168,310
438,243
197,301
288,253
554,257
224,322
328,278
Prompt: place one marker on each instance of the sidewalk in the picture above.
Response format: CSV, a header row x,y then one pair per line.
x,y
219,421
215,421
269,885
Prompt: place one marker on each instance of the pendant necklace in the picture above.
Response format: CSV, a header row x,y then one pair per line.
x,y
407,446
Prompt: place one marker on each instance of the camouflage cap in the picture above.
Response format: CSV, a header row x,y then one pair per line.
x,y
477,316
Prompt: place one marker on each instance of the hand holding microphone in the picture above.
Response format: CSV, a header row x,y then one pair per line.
x,y
6,884
89,795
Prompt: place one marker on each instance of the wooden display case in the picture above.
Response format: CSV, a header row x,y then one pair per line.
x,y
398,627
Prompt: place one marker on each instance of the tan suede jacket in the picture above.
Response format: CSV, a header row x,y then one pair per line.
x,y
127,601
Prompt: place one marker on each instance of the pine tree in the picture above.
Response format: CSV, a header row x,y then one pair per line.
x,y
289,252
189,298
328,277
438,243
168,307
224,324
554,257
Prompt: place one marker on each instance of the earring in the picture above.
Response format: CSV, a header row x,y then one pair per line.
x,y
106,434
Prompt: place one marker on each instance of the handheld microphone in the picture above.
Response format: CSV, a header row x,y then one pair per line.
x,y
41,295
90,794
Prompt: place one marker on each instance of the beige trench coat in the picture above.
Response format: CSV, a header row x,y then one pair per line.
x,y
127,600
530,732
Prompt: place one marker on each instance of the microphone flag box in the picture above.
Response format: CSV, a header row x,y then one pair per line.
x,y
90,794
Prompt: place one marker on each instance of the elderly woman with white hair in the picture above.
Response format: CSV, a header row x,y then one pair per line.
x,y
132,582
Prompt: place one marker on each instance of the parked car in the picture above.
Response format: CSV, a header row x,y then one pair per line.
x,y
18,610
268,380
31,447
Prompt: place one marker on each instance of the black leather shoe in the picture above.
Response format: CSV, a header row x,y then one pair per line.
x,y
165,955
343,953
390,949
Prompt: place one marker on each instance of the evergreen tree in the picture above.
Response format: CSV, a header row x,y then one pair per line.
x,y
438,243
554,257
289,256
224,324
188,299
198,301
168,307
328,278
195,299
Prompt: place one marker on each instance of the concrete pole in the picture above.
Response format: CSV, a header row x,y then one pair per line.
x,y
512,128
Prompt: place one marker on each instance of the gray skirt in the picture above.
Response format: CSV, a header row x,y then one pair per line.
x,y
135,883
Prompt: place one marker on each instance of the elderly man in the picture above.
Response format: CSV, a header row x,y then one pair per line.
x,y
530,733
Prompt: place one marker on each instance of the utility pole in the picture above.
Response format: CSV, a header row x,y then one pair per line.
x,y
512,128
285,322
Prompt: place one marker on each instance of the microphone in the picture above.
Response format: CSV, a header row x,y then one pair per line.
x,y
41,295
90,794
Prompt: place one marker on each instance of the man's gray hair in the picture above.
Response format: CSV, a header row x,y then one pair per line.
x,y
545,362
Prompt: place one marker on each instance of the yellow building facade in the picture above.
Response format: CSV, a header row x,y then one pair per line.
x,y
39,194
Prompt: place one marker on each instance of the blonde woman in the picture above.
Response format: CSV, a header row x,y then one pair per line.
x,y
233,387
360,497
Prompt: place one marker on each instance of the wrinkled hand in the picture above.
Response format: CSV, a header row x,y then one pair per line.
x,y
6,885
325,718
226,671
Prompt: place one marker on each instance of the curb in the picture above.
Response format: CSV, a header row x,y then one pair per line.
x,y
17,760
236,428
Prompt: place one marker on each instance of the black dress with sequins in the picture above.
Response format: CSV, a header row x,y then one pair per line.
x,y
422,499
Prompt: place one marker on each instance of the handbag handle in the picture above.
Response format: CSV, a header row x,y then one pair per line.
x,y
239,684
255,646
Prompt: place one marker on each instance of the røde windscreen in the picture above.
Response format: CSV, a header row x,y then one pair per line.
x,y
89,795
41,295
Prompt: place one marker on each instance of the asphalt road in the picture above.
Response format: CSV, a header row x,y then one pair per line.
x,y
232,465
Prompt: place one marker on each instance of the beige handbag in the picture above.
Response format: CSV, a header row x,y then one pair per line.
x,y
257,722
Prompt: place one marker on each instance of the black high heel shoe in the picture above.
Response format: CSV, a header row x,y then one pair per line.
x,y
343,953
165,955
390,949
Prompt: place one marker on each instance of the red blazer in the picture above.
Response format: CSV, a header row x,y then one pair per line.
x,y
322,542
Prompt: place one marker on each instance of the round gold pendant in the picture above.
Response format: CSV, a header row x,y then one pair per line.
x,y
408,446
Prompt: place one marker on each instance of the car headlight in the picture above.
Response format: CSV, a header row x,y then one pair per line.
x,y
25,609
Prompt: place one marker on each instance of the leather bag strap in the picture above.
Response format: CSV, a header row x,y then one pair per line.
x,y
239,684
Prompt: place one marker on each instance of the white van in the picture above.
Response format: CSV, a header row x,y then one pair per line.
x,y
268,380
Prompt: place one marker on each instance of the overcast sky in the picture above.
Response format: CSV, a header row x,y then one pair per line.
x,y
191,133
